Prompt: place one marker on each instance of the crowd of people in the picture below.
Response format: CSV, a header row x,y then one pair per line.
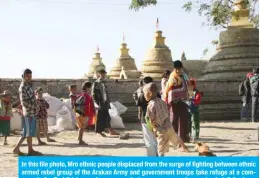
x,y
90,106
170,115
249,91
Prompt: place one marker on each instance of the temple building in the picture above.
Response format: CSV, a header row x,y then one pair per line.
x,y
125,67
237,54
95,66
238,48
158,59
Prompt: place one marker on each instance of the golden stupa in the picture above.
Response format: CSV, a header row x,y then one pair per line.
x,y
125,64
96,65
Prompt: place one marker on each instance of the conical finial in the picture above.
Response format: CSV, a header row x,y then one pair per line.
x,y
157,24
123,37
97,49
183,57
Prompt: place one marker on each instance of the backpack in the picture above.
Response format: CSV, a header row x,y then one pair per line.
x,y
254,85
241,89
79,107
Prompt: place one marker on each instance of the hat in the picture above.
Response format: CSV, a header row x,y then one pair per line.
x,y
5,93
102,71
39,90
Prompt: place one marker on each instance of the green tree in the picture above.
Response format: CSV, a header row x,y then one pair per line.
x,y
216,12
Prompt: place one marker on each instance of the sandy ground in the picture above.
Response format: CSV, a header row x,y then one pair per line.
x,y
224,139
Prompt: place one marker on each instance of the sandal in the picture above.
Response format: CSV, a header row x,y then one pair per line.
x,y
16,154
42,143
82,143
51,140
35,153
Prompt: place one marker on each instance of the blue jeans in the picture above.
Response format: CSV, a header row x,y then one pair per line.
x,y
149,141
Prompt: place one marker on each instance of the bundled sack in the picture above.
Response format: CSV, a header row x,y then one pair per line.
x,y
51,121
116,121
66,102
120,108
64,119
55,104
16,121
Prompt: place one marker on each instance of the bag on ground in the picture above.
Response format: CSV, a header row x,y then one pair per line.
x,y
116,121
16,121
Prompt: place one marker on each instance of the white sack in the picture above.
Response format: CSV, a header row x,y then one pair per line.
x,y
64,119
116,121
51,121
67,103
121,109
16,121
55,104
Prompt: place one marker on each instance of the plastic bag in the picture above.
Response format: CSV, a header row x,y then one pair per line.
x,y
55,104
67,103
64,119
116,121
121,109
16,121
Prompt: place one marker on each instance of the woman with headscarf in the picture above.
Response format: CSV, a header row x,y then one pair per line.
x,y
176,93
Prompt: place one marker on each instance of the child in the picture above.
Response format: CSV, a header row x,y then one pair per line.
x,y
148,136
84,108
5,114
158,116
73,95
194,109
41,114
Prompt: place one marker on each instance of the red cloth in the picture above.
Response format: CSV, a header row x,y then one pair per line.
x,y
197,98
90,111
6,118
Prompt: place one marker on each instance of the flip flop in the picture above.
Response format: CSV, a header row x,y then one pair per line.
x,y
83,143
35,153
51,140
124,136
42,143
19,154
101,134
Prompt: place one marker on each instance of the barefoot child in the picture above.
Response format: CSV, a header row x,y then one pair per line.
x,y
157,115
41,114
84,108
5,114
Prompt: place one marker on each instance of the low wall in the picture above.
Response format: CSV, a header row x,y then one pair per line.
x,y
220,100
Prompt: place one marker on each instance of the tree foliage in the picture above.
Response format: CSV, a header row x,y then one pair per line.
x,y
217,12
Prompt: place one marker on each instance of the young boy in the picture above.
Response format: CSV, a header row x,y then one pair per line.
x,y
73,95
5,114
84,108
194,110
158,116
148,136
41,114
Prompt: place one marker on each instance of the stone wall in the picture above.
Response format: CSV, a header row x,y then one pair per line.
x,y
213,107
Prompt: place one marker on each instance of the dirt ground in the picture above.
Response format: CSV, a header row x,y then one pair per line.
x,y
223,138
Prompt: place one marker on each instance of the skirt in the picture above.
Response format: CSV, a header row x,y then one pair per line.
x,y
42,125
5,127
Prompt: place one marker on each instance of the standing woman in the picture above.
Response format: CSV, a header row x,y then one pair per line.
x,y
5,114
165,78
175,95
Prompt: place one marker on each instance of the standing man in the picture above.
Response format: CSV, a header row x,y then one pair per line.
x,y
28,102
101,99
254,86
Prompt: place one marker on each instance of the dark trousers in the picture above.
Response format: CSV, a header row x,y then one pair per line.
x,y
103,120
179,118
255,109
